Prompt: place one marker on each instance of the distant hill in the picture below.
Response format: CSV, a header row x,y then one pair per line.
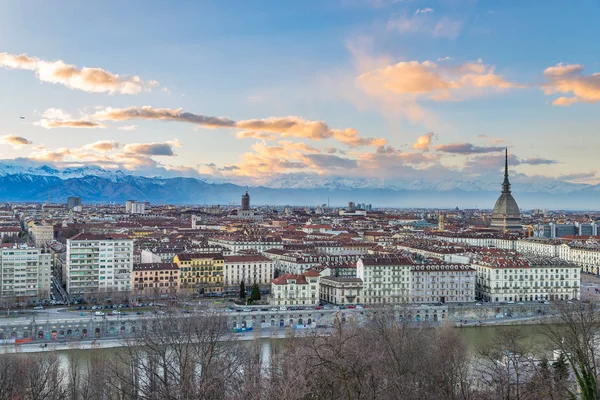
x,y
94,185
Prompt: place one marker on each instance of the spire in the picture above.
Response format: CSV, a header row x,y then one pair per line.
x,y
506,183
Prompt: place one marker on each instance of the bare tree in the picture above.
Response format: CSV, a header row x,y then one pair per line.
x,y
576,335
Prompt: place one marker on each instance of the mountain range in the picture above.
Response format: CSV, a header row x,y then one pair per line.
x,y
97,185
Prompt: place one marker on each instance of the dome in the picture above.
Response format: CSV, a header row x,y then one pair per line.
x,y
506,214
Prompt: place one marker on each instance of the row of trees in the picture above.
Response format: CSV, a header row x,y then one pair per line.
x,y
178,358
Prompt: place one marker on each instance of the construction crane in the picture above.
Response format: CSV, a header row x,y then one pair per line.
x,y
529,230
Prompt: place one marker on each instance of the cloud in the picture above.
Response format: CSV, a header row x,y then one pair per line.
x,y
424,23
264,129
580,176
423,142
497,141
57,118
96,80
569,79
103,146
483,136
447,28
327,161
127,128
411,80
15,141
152,149
466,148
537,161
161,114
423,10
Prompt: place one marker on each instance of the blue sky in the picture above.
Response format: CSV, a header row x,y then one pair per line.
x,y
369,88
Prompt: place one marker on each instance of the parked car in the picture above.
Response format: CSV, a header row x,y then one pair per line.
x,y
38,307
99,314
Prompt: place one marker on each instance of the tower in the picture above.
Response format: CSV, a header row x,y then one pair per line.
x,y
246,201
506,214
441,222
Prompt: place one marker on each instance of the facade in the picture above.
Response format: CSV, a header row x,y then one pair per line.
x,y
250,269
386,280
246,201
73,202
237,244
442,283
522,278
506,214
295,290
41,234
99,263
135,207
341,291
200,272
25,273
152,279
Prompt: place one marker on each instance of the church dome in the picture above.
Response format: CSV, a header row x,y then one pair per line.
x,y
506,214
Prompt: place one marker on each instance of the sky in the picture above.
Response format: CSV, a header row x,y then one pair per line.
x,y
252,91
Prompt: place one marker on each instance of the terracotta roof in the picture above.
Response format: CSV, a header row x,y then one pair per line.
x,y
195,256
93,236
249,258
155,266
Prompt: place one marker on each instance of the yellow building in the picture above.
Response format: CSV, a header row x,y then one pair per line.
x,y
200,272
154,279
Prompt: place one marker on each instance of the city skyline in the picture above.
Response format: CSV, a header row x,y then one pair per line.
x,y
351,88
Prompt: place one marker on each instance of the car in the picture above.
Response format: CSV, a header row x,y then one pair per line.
x,y
359,307
283,308
99,314
477,304
140,313
321,307
350,306
511,302
521,303
546,302
246,310
274,309
94,307
38,307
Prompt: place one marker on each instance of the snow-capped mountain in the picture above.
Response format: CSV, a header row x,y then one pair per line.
x,y
95,184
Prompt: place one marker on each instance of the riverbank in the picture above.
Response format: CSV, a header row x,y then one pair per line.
x,y
261,334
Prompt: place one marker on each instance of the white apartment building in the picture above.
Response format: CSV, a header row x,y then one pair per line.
x,y
99,263
251,269
538,247
526,278
25,272
41,234
341,290
296,290
236,244
442,283
135,207
386,279
588,258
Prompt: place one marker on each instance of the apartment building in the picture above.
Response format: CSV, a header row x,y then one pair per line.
x,y
341,290
25,273
154,279
526,278
296,290
239,243
386,279
250,269
41,234
442,283
200,272
99,263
